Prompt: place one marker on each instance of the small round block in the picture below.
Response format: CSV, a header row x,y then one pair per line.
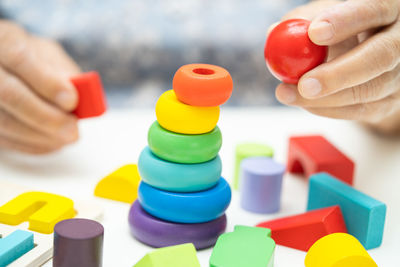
x,y
197,207
78,243
338,250
159,233
245,150
261,184
202,85
178,177
182,148
178,117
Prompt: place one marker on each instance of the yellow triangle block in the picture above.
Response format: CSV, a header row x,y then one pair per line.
x,y
121,185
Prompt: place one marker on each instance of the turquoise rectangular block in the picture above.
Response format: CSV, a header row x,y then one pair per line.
x,y
364,215
14,246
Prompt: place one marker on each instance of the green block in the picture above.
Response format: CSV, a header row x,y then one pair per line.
x,y
244,247
174,256
246,150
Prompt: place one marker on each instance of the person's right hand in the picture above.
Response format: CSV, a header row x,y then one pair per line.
x,y
36,96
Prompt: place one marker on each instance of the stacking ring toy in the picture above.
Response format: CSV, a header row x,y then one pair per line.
x,y
197,207
158,233
202,85
182,148
178,117
178,177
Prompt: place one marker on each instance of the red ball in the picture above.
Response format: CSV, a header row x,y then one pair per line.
x,y
289,52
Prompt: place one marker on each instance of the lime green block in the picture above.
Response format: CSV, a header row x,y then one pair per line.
x,y
244,247
175,256
246,150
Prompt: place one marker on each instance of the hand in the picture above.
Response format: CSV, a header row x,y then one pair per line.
x,y
36,96
361,78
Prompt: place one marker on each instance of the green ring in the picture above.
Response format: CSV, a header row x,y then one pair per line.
x,y
183,148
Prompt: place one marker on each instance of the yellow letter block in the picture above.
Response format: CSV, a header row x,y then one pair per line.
x,y
42,210
121,185
338,250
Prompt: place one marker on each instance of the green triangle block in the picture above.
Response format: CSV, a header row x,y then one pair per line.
x,y
174,256
244,247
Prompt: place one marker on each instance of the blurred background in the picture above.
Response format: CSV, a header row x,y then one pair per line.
x,y
137,45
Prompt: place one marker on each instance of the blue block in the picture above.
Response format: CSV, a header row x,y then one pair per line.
x,y
364,215
14,246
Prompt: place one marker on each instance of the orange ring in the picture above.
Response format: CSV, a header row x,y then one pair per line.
x,y
202,85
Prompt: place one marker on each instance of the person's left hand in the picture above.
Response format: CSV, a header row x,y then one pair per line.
x,y
361,78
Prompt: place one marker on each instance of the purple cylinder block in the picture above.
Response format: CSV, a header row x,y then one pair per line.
x,y
261,184
78,243
158,233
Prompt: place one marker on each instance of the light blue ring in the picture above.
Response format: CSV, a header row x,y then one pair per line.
x,y
178,177
198,207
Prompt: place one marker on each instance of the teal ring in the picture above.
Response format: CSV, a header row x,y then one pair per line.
x,y
178,177
184,148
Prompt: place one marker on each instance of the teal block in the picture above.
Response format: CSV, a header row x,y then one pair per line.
x,y
14,246
244,247
364,215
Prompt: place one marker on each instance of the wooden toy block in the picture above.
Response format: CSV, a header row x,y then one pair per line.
x,y
121,185
202,85
312,154
261,184
302,230
91,99
338,250
178,117
177,177
175,256
42,251
196,207
14,246
246,150
78,243
244,247
364,215
159,233
42,210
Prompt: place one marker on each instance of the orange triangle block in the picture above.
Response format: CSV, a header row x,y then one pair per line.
x,y
303,230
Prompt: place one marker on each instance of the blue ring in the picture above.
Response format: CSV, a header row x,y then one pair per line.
x,y
195,207
178,177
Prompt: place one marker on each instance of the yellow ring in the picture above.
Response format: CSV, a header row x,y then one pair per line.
x,y
181,118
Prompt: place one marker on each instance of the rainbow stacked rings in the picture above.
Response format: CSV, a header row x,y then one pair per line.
x,y
184,148
182,197
178,177
196,207
158,233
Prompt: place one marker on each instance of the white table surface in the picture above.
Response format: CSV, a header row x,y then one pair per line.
x,y
117,138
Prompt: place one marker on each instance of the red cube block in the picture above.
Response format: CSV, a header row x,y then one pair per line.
x,y
313,154
303,230
91,96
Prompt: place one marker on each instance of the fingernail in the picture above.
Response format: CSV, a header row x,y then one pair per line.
x,y
287,95
310,87
321,31
65,99
68,132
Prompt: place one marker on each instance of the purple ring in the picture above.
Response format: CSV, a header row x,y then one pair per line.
x,y
158,233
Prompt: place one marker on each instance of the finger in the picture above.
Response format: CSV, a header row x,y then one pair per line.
x,y
22,103
14,130
375,56
16,146
371,91
351,17
20,58
372,112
